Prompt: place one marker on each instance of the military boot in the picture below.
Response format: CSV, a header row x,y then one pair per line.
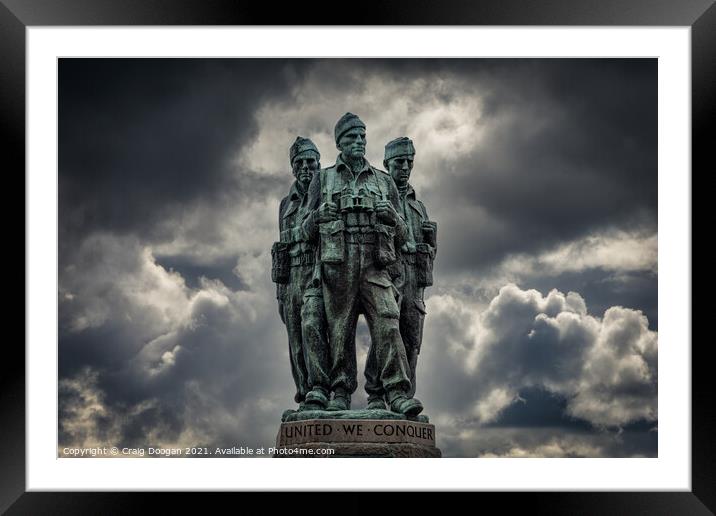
x,y
407,406
375,402
341,401
316,399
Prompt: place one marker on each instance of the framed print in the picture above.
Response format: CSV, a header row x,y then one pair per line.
x,y
533,263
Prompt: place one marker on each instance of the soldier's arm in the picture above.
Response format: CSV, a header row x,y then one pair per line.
x,y
310,222
430,229
281,288
401,228
280,295
281,210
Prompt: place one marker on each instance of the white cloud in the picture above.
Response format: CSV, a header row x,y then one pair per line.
x,y
541,443
606,368
618,251
79,417
194,364
490,406
619,379
112,279
444,126
244,227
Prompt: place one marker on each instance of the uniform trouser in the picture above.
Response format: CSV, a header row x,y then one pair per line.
x,y
305,318
356,286
412,318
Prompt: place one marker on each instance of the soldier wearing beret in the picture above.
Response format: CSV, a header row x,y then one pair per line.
x,y
414,267
299,296
354,217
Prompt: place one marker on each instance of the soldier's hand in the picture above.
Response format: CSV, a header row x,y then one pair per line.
x,y
327,212
386,212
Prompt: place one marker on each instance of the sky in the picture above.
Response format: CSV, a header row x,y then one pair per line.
x,y
541,333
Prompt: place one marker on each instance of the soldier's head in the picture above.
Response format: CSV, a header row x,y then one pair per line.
x,y
398,159
350,136
305,159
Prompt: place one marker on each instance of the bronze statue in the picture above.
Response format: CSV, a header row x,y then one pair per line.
x,y
414,269
354,218
300,300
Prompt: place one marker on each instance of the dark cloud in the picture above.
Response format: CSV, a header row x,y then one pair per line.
x,y
142,139
572,150
571,144
536,407
191,271
552,442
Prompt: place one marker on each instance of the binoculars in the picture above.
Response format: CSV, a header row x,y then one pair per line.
x,y
352,202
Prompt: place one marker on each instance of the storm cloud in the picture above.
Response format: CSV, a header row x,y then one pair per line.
x,y
541,336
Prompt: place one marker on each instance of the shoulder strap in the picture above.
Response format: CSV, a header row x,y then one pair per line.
x,y
327,180
322,180
378,180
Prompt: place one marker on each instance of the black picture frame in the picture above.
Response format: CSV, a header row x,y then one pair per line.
x,y
17,15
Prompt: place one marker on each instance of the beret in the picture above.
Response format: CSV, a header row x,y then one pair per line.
x,y
402,146
301,146
347,122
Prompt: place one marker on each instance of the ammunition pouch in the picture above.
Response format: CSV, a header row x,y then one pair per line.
x,y
395,270
385,245
357,218
332,241
424,256
431,238
303,259
292,235
280,262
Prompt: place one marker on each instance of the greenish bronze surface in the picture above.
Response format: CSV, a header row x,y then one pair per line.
x,y
300,302
354,240
414,267
295,415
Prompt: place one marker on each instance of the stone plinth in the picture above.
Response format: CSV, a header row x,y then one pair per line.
x,y
366,434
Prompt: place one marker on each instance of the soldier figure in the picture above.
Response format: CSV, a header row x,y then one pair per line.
x,y
415,266
354,210
300,300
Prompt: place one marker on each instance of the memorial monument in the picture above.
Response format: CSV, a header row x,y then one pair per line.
x,y
354,240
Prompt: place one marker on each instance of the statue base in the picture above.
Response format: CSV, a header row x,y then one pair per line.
x,y
302,415
354,433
